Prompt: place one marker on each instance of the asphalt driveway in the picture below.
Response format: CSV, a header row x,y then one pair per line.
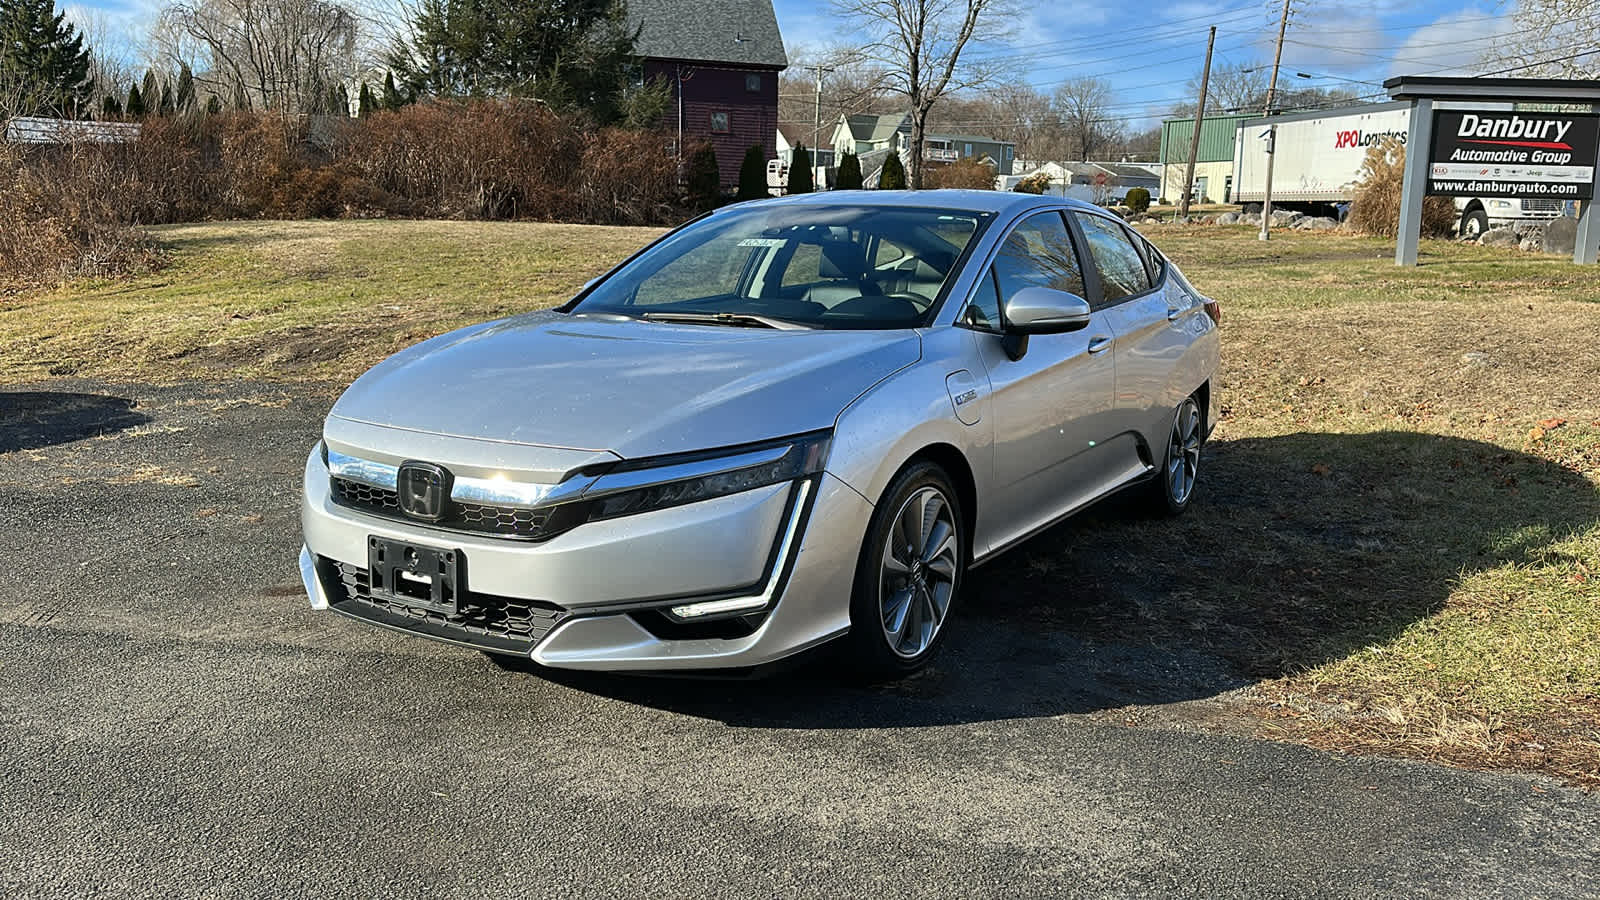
x,y
174,721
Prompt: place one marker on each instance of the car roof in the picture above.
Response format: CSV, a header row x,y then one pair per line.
x,y
967,201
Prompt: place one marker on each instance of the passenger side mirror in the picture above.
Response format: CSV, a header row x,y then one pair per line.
x,y
1039,310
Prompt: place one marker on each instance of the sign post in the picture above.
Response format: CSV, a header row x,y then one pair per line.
x,y
1413,190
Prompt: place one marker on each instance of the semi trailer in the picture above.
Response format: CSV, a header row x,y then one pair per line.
x,y
1319,157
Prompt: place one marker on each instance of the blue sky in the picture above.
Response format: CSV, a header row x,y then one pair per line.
x,y
1148,54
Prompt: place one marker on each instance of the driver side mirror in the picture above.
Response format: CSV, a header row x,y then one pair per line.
x,y
1040,310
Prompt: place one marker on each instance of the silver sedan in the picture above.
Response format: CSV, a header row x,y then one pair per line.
x,y
784,424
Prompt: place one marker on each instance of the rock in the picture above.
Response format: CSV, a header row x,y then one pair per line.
x,y
1500,237
1533,243
1228,218
1285,218
1560,236
1319,223
1250,219
1476,359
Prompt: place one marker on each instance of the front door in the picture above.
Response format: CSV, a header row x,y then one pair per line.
x,y
1052,407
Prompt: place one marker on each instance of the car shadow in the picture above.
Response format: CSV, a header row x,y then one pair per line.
x,y
30,420
1302,549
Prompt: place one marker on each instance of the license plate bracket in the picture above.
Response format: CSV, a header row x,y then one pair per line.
x,y
415,575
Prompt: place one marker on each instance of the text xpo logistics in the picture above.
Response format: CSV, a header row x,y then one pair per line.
x,y
1504,154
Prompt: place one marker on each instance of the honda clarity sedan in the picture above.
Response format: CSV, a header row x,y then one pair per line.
x,y
787,424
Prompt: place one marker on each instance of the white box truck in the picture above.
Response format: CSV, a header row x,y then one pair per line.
x,y
1319,157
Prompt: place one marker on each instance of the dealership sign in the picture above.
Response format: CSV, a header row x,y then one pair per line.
x,y
1526,155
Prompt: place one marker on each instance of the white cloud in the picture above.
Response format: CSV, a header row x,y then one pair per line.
x,y
1455,43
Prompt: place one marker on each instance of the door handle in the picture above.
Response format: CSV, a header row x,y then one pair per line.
x,y
1099,344
1173,312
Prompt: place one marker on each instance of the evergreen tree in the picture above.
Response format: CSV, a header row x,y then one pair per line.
x,y
849,178
391,94
704,178
110,108
341,101
214,105
44,67
568,53
182,93
800,171
135,106
366,103
753,175
893,177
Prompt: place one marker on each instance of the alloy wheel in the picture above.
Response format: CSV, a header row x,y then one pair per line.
x,y
1183,453
920,559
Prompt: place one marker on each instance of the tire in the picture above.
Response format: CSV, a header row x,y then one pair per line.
x,y
1172,489
914,591
1474,222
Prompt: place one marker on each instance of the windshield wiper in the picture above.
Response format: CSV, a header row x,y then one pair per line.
x,y
730,319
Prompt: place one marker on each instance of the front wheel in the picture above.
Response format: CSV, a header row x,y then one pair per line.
x,y
1474,223
1173,487
910,571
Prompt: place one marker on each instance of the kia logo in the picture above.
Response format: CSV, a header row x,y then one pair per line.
x,y
424,488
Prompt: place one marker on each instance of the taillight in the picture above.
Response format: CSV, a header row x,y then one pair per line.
x,y
1214,310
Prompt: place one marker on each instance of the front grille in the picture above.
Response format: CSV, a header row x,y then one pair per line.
x,y
482,619
1541,205
505,521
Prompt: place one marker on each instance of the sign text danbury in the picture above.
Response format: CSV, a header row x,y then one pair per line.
x,y
1513,154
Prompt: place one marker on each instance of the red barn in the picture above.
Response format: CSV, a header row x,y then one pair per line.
x,y
722,59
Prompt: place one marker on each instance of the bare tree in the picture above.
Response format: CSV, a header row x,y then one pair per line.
x,y
1233,87
279,55
1082,106
919,43
851,85
1550,36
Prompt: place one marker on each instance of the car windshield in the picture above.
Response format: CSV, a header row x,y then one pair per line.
x,y
802,266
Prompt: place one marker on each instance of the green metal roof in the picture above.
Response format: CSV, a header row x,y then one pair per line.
x,y
1216,138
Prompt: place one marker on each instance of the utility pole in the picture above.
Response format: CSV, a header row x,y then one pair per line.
x,y
816,134
1199,120
1272,130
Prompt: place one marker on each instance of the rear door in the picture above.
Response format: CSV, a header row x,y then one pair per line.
x,y
1147,316
1051,407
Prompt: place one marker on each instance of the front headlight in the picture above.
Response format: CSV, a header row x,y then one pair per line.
x,y
1501,204
646,485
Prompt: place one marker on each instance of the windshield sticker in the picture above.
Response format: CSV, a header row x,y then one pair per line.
x,y
762,242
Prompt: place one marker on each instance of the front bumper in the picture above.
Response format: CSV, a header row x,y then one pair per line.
x,y
595,588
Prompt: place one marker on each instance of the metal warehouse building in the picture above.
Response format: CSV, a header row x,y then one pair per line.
x,y
1213,169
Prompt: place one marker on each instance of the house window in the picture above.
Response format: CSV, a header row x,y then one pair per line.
x,y
752,83
719,123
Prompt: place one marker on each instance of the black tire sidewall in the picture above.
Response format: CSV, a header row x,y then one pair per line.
x,y
871,654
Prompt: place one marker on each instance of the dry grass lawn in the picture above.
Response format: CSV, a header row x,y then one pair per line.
x,y
1400,533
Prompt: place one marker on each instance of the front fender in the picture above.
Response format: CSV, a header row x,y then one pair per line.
x,y
909,412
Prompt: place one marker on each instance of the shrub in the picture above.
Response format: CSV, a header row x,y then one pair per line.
x,y
849,177
1375,208
753,175
893,176
1037,183
800,171
963,173
703,178
1138,200
57,220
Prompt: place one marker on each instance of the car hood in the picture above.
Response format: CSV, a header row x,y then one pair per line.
x,y
629,387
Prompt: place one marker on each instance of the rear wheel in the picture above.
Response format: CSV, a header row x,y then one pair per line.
x,y
1178,469
909,574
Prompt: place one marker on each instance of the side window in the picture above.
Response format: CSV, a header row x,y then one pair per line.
x,y
1038,253
983,313
1121,268
1154,262
805,266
